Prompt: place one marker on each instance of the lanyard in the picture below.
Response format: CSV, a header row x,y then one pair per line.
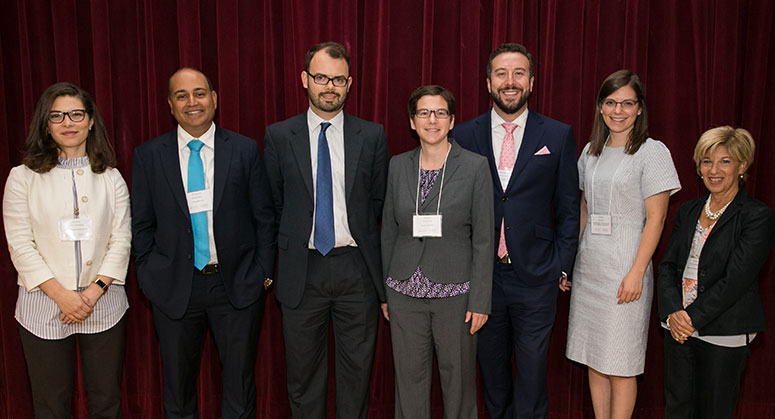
x,y
611,191
419,179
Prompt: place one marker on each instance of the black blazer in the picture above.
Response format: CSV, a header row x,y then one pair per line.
x,y
728,301
243,222
541,202
366,157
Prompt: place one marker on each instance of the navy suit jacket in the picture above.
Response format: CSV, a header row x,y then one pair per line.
x,y
243,222
541,203
289,165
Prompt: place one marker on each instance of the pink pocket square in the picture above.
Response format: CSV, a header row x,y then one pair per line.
x,y
542,151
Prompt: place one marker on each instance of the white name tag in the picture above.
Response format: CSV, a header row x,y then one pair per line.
x,y
74,229
426,225
200,201
504,176
601,224
690,272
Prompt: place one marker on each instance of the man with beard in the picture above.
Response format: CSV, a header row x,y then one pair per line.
x,y
328,172
533,165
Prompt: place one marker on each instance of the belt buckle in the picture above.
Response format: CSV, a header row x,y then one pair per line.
x,y
210,269
506,260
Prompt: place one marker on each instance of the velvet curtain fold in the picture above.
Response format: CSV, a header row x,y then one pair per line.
x,y
704,63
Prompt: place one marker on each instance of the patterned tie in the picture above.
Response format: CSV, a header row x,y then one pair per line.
x,y
506,162
324,203
196,182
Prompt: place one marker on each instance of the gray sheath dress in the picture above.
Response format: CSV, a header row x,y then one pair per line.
x,y
610,337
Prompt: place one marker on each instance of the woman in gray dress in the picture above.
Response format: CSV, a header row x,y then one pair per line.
x,y
626,179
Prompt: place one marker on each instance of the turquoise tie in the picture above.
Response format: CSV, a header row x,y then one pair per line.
x,y
196,182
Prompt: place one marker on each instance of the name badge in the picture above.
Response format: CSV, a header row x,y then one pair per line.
x,y
601,224
504,176
690,272
426,225
200,201
75,229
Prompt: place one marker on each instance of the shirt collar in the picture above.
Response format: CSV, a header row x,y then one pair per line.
x,y
208,138
497,120
313,121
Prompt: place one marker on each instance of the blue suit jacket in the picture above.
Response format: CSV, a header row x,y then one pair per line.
x,y
243,222
541,203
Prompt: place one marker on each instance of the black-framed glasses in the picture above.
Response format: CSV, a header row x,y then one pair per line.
x,y
75,115
627,105
322,79
426,113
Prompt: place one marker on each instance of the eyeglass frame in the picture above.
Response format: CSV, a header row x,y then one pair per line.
x,y
435,113
331,80
635,103
62,114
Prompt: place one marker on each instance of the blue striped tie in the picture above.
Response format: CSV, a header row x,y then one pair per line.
x,y
324,203
196,182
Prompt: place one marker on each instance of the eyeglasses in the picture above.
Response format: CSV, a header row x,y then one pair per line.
x,y
426,113
322,79
627,105
75,115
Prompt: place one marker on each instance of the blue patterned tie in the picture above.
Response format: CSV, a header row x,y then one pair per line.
x,y
196,182
324,204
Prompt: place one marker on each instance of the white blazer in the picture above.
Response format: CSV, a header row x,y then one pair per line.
x,y
33,205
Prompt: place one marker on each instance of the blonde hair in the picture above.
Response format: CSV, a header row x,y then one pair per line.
x,y
738,142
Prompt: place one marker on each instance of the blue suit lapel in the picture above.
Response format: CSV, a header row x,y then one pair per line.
x,y
169,154
222,163
484,140
352,153
530,141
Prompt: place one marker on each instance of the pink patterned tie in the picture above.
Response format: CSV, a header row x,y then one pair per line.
x,y
506,162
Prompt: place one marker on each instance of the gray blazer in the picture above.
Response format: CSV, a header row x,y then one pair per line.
x,y
465,250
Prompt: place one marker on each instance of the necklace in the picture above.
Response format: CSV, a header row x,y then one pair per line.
x,y
714,215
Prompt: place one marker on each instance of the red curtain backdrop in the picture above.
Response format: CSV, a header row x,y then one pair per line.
x,y
704,63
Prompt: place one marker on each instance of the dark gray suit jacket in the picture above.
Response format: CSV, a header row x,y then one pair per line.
x,y
465,250
287,152
243,222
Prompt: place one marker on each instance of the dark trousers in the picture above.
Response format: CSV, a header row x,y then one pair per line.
x,y
522,318
235,333
339,291
418,328
51,367
702,380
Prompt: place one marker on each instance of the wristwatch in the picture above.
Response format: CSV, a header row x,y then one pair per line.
x,y
103,286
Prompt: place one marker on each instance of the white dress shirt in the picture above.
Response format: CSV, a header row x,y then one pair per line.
x,y
335,137
207,153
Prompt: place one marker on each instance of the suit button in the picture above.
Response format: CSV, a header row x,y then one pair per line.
x,y
420,238
84,199
701,289
505,198
79,171
508,228
189,257
88,263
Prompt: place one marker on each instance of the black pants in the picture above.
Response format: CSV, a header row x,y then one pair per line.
x,y
702,380
51,367
235,333
338,292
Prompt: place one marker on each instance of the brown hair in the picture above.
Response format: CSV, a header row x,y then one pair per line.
x,y
639,132
333,49
431,90
509,47
40,150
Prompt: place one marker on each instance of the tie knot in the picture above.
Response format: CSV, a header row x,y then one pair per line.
x,y
324,126
195,145
509,127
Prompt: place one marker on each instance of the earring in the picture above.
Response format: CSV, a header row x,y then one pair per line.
x,y
91,127
701,178
741,176
639,112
